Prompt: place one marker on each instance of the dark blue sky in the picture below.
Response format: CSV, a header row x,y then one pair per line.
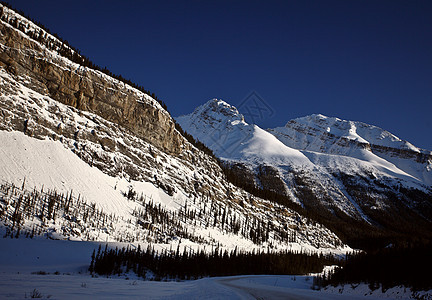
x,y
367,61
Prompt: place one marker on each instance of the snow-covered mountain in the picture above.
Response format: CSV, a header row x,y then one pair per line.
x,y
318,133
320,162
222,128
87,156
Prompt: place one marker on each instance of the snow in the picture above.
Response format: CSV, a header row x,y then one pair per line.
x,y
359,161
311,134
66,263
354,130
54,164
58,270
53,56
48,163
316,146
222,128
270,150
240,287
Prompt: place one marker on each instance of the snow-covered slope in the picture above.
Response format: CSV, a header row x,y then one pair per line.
x,y
101,175
86,156
369,143
325,161
222,128
300,130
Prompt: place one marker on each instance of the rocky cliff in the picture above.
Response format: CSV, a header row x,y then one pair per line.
x,y
87,90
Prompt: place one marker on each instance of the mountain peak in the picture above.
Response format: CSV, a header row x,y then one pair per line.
x,y
220,107
315,119
215,112
322,127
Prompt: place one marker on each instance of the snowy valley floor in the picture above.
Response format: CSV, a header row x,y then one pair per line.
x,y
57,269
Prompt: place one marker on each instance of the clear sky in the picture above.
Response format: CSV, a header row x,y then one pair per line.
x,y
367,61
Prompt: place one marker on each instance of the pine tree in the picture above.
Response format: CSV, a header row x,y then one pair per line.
x,y
91,268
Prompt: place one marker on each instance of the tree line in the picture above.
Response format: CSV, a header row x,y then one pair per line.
x,y
407,264
396,222
150,222
189,264
44,206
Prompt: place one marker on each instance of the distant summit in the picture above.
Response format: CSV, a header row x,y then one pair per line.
x,y
353,130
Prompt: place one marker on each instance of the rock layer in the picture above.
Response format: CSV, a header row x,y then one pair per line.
x,y
88,90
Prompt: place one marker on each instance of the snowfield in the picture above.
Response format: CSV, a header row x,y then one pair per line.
x,y
69,178
48,163
370,144
57,161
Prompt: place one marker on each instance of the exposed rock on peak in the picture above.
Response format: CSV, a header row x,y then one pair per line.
x,y
215,112
353,130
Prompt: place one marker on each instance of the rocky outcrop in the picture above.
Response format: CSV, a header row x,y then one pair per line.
x,y
420,157
314,133
50,74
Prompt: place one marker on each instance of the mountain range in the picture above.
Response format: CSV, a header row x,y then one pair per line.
x,y
335,168
100,187
79,141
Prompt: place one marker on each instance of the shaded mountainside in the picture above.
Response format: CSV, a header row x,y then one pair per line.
x,y
72,132
330,167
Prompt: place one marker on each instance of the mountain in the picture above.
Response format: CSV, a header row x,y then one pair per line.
x,y
359,179
318,133
222,128
86,155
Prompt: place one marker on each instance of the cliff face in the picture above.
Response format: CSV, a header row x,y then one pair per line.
x,y
87,90
107,123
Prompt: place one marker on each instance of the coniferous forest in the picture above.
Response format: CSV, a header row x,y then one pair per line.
x,y
407,265
193,265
